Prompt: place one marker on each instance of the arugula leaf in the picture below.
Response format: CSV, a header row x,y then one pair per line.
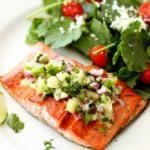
x,y
48,145
32,36
14,123
133,48
56,39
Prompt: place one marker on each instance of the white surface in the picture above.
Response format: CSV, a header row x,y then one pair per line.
x,y
13,28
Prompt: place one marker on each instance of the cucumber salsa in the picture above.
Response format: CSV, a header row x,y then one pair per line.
x,y
114,34
90,94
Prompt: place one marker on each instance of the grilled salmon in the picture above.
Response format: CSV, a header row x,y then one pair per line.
x,y
54,112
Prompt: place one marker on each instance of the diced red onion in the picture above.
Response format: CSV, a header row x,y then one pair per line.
x,y
69,67
120,101
80,116
95,85
102,90
96,72
57,57
100,108
28,75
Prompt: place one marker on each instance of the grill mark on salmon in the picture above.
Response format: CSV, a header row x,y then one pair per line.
x,y
54,114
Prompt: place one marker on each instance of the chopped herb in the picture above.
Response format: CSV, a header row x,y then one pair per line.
x,y
14,123
48,145
102,130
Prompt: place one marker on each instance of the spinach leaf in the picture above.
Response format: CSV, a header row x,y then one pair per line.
x,y
133,48
59,34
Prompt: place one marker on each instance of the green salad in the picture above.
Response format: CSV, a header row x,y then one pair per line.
x,y
115,35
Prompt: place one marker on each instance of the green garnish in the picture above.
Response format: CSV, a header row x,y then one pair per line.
x,y
126,39
14,123
48,145
102,130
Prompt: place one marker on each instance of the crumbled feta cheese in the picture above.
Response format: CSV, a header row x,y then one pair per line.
x,y
62,31
62,18
97,4
79,22
96,72
124,19
94,36
102,90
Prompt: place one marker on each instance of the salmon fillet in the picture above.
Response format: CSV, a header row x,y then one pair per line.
x,y
64,122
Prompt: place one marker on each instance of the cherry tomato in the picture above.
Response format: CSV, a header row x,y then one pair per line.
x,y
100,58
145,76
145,12
91,1
71,9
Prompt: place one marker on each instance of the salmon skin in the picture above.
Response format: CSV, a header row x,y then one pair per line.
x,y
64,122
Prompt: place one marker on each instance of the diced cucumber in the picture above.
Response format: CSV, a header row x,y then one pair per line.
x,y
72,105
37,71
59,94
92,95
62,75
53,82
41,84
3,110
108,83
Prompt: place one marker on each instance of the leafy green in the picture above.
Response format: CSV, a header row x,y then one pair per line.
x,y
116,55
32,36
144,92
100,31
48,145
124,73
55,12
85,43
43,28
132,81
107,11
133,46
73,89
57,39
14,123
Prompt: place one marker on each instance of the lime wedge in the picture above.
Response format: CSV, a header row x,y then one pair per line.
x,y
3,110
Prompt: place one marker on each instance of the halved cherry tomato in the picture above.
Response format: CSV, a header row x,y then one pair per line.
x,y
91,1
99,57
71,9
145,76
145,12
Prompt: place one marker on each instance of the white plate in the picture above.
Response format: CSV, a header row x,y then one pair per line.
x,y
13,29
